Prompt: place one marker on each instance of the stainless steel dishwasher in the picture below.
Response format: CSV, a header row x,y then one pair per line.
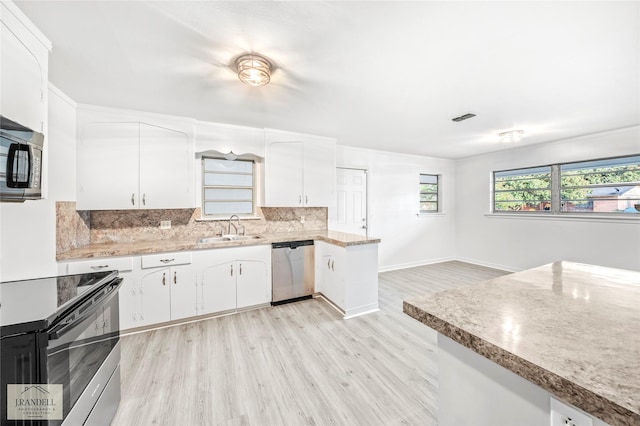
x,y
292,269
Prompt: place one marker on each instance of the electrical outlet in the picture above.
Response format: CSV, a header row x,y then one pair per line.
x,y
563,414
301,219
165,224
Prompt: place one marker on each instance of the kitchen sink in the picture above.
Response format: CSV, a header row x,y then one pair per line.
x,y
227,238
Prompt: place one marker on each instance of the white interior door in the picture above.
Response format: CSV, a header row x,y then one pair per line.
x,y
351,203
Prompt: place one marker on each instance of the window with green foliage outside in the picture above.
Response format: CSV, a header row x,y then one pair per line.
x,y
601,186
429,193
522,190
610,185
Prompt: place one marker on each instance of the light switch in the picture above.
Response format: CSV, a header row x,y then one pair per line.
x,y
165,224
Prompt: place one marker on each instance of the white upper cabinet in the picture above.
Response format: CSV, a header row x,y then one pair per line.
x,y
165,168
132,164
300,170
319,173
284,170
108,167
23,69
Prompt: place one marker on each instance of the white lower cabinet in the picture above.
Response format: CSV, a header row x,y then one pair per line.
x,y
348,276
233,278
166,293
329,278
217,291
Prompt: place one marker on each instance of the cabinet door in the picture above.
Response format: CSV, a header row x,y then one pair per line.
x,y
108,166
183,292
319,174
129,316
283,184
165,169
155,297
251,283
22,82
329,272
219,288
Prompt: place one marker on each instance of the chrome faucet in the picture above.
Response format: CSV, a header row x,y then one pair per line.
x,y
235,227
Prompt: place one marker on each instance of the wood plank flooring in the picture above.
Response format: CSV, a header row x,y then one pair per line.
x,y
294,364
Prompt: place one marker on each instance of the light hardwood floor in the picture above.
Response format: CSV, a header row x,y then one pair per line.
x,y
294,364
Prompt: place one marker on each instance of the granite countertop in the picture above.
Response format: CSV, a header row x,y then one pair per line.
x,y
158,246
570,328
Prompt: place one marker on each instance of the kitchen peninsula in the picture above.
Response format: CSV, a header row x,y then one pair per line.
x,y
571,330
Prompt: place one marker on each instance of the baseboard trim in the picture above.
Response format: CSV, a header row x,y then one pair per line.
x,y
448,259
488,264
414,264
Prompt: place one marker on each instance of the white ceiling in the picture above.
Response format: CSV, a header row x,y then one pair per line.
x,y
380,75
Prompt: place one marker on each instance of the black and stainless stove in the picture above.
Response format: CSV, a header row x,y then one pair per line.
x,y
60,350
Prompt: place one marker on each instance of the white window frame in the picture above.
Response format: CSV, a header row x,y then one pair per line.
x,y
556,188
253,189
437,194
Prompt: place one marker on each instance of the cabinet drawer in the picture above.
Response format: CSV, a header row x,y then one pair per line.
x,y
104,264
166,259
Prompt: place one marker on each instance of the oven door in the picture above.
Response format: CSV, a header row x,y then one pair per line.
x,y
80,344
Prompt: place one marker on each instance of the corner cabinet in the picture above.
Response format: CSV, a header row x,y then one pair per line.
x,y
133,165
299,170
348,277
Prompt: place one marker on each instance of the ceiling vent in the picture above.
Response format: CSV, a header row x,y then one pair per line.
x,y
463,117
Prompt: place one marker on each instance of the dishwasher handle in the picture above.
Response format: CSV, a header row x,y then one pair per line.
x,y
291,244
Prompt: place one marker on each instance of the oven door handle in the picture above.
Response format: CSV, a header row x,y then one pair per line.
x,y
91,307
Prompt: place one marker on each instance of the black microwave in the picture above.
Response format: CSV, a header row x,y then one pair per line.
x,y
20,162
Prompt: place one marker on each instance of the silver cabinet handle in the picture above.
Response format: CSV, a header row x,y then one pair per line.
x,y
144,199
165,261
306,200
329,263
332,263
231,270
133,199
299,199
175,277
98,267
240,272
164,278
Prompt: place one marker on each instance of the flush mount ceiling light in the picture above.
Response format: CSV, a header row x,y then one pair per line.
x,y
253,70
511,136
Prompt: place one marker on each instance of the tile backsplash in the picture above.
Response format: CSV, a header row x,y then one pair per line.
x,y
80,228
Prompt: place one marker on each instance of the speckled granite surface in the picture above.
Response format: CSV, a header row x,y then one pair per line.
x,y
570,328
107,249
138,225
83,234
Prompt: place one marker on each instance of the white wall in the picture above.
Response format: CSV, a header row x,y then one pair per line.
x,y
28,230
516,243
407,240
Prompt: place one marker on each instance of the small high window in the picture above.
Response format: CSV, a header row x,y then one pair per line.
x,y
429,191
